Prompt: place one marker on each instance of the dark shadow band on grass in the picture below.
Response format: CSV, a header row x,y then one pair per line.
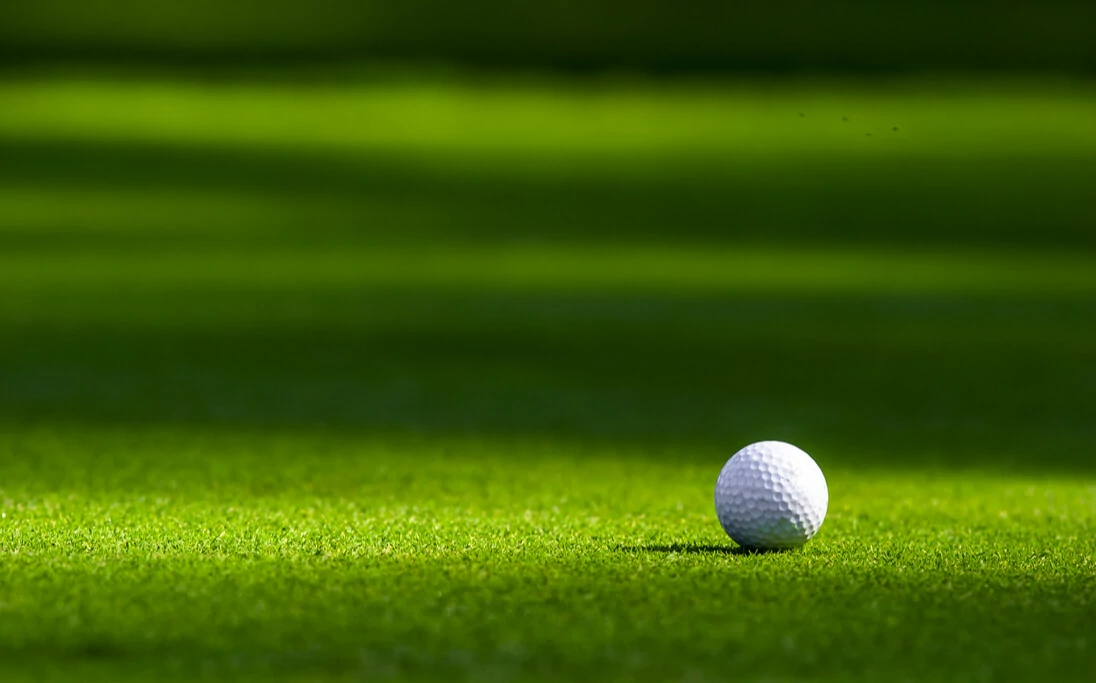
x,y
696,549
473,198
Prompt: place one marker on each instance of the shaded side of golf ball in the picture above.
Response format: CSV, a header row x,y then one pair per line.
x,y
771,495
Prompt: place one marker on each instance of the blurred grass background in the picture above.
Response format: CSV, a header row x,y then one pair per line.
x,y
697,259
649,35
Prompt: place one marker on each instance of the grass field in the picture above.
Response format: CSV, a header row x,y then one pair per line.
x,y
433,379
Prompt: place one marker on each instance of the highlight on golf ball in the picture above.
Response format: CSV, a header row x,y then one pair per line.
x,y
771,495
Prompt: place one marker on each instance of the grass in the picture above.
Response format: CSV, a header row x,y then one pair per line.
x,y
562,121
548,268
140,161
296,398
177,552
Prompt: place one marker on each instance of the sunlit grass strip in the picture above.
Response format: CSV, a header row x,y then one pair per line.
x,y
550,119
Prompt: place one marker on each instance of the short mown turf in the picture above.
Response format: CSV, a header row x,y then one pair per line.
x,y
433,382
154,553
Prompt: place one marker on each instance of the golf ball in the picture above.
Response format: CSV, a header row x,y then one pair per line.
x,y
771,495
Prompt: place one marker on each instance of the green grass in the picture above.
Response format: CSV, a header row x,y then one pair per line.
x,y
134,162
637,269
564,120
176,552
434,381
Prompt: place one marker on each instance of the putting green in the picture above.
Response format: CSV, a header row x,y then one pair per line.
x,y
176,552
433,381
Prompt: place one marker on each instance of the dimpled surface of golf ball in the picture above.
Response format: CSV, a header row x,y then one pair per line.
x,y
771,495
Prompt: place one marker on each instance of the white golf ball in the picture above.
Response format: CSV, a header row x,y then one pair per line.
x,y
771,495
